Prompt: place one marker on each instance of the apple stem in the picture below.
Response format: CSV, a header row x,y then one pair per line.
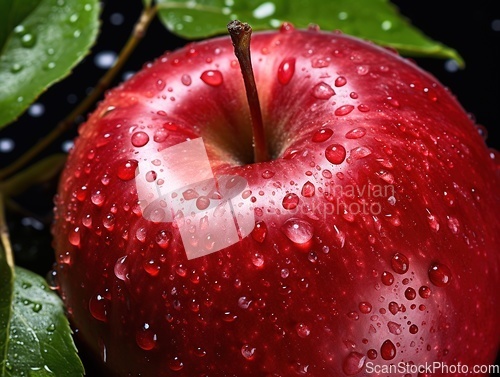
x,y
240,35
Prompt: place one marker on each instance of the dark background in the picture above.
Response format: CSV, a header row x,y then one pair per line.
x,y
472,28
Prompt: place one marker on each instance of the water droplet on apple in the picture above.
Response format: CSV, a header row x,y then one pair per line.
x,y
286,27
363,108
308,189
365,307
344,110
258,260
400,263
360,152
410,293
212,77
266,174
186,79
372,354
98,307
302,330
248,351
322,135
163,238
121,269
140,234
323,91
74,236
200,352
439,274
320,62
356,133
394,328
297,230
109,221
335,153
139,139
286,71
244,302
353,363
160,135
393,307
126,170
424,291
413,329
388,350
433,221
259,233
340,81
87,221
353,315
175,364
202,202
151,266
290,201
160,85
146,338
362,70
387,278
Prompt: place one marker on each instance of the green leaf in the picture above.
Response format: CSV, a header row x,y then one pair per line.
x,y
40,342
40,42
376,20
6,291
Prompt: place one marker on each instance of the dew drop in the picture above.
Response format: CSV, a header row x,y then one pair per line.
x,y
302,330
28,40
175,364
186,79
335,153
344,110
248,351
151,266
393,307
160,135
372,354
98,307
74,237
424,291
297,230
160,85
439,274
212,77
410,293
151,176
323,91
139,139
387,278
388,350
163,238
290,201
340,81
121,269
356,133
308,189
140,234
266,174
109,221
353,363
363,108
400,263
394,328
365,307
146,338
413,329
286,70
127,170
244,302
320,63
322,135
257,260
259,233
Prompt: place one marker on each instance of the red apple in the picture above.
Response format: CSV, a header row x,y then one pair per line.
x,y
374,232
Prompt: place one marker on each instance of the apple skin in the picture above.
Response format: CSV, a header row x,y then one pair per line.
x,y
413,279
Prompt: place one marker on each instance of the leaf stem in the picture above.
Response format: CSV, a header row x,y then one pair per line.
x,y
4,235
64,125
240,35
